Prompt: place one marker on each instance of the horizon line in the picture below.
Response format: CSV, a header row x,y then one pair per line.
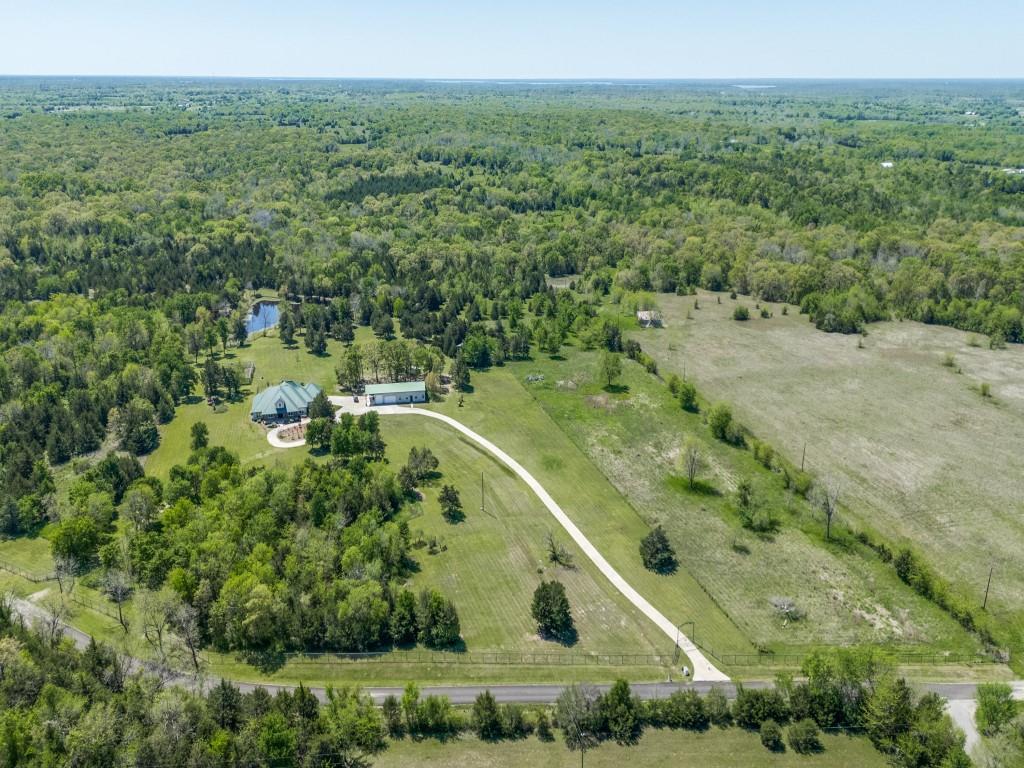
x,y
532,79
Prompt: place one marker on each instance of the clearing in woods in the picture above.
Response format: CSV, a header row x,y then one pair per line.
x,y
920,454
634,435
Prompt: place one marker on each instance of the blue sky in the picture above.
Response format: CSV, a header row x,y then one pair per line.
x,y
523,39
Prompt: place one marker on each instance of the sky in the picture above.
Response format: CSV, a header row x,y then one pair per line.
x,y
627,39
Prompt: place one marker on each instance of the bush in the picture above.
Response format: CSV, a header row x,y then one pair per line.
x,y
485,718
741,313
803,737
754,706
717,707
719,420
513,722
544,727
685,709
687,396
996,707
771,736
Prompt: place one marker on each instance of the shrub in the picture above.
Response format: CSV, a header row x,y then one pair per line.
x,y
803,737
986,389
673,384
765,313
544,727
485,718
513,722
717,707
687,396
685,709
996,707
392,711
771,736
754,706
719,419
741,313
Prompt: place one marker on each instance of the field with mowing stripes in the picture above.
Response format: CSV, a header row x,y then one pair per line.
x,y
715,748
494,559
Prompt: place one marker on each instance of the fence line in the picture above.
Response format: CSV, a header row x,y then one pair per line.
x,y
561,659
35,578
770,658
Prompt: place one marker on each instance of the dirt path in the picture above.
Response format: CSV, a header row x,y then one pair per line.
x,y
703,670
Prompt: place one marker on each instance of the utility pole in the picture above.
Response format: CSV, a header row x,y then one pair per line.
x,y
803,456
481,491
985,601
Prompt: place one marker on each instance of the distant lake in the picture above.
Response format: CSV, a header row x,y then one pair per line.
x,y
264,315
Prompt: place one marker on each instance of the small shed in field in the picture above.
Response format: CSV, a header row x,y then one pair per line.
x,y
648,318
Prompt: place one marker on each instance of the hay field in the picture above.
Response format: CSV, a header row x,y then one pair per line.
x,y
921,455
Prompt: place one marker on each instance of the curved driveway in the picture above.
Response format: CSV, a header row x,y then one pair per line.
x,y
703,670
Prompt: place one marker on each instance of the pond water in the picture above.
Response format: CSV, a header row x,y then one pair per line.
x,y
264,315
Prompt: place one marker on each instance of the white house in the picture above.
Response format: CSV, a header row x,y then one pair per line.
x,y
887,164
397,393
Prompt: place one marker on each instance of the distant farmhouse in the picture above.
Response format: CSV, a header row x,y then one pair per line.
x,y
648,318
284,402
394,394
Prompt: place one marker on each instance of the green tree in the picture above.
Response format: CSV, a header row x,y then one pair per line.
x,y
320,407
200,434
621,711
486,719
576,710
451,505
657,553
687,396
550,609
460,374
996,707
609,367
889,713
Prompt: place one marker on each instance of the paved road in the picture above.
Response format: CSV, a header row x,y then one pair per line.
x,y
960,695
703,669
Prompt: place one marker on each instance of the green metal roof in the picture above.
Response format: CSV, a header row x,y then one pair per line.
x,y
400,386
292,395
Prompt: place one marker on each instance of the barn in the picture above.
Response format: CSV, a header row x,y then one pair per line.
x,y
397,393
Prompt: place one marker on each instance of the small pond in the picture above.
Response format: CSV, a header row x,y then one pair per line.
x,y
264,315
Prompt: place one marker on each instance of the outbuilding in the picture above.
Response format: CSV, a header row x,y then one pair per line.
x,y
284,402
396,393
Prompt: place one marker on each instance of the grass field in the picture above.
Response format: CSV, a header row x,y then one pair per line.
x,y
920,455
503,411
732,748
495,558
634,437
232,427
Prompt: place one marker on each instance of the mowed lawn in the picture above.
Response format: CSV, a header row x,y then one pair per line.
x,y
494,559
715,748
232,427
920,455
635,436
503,411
